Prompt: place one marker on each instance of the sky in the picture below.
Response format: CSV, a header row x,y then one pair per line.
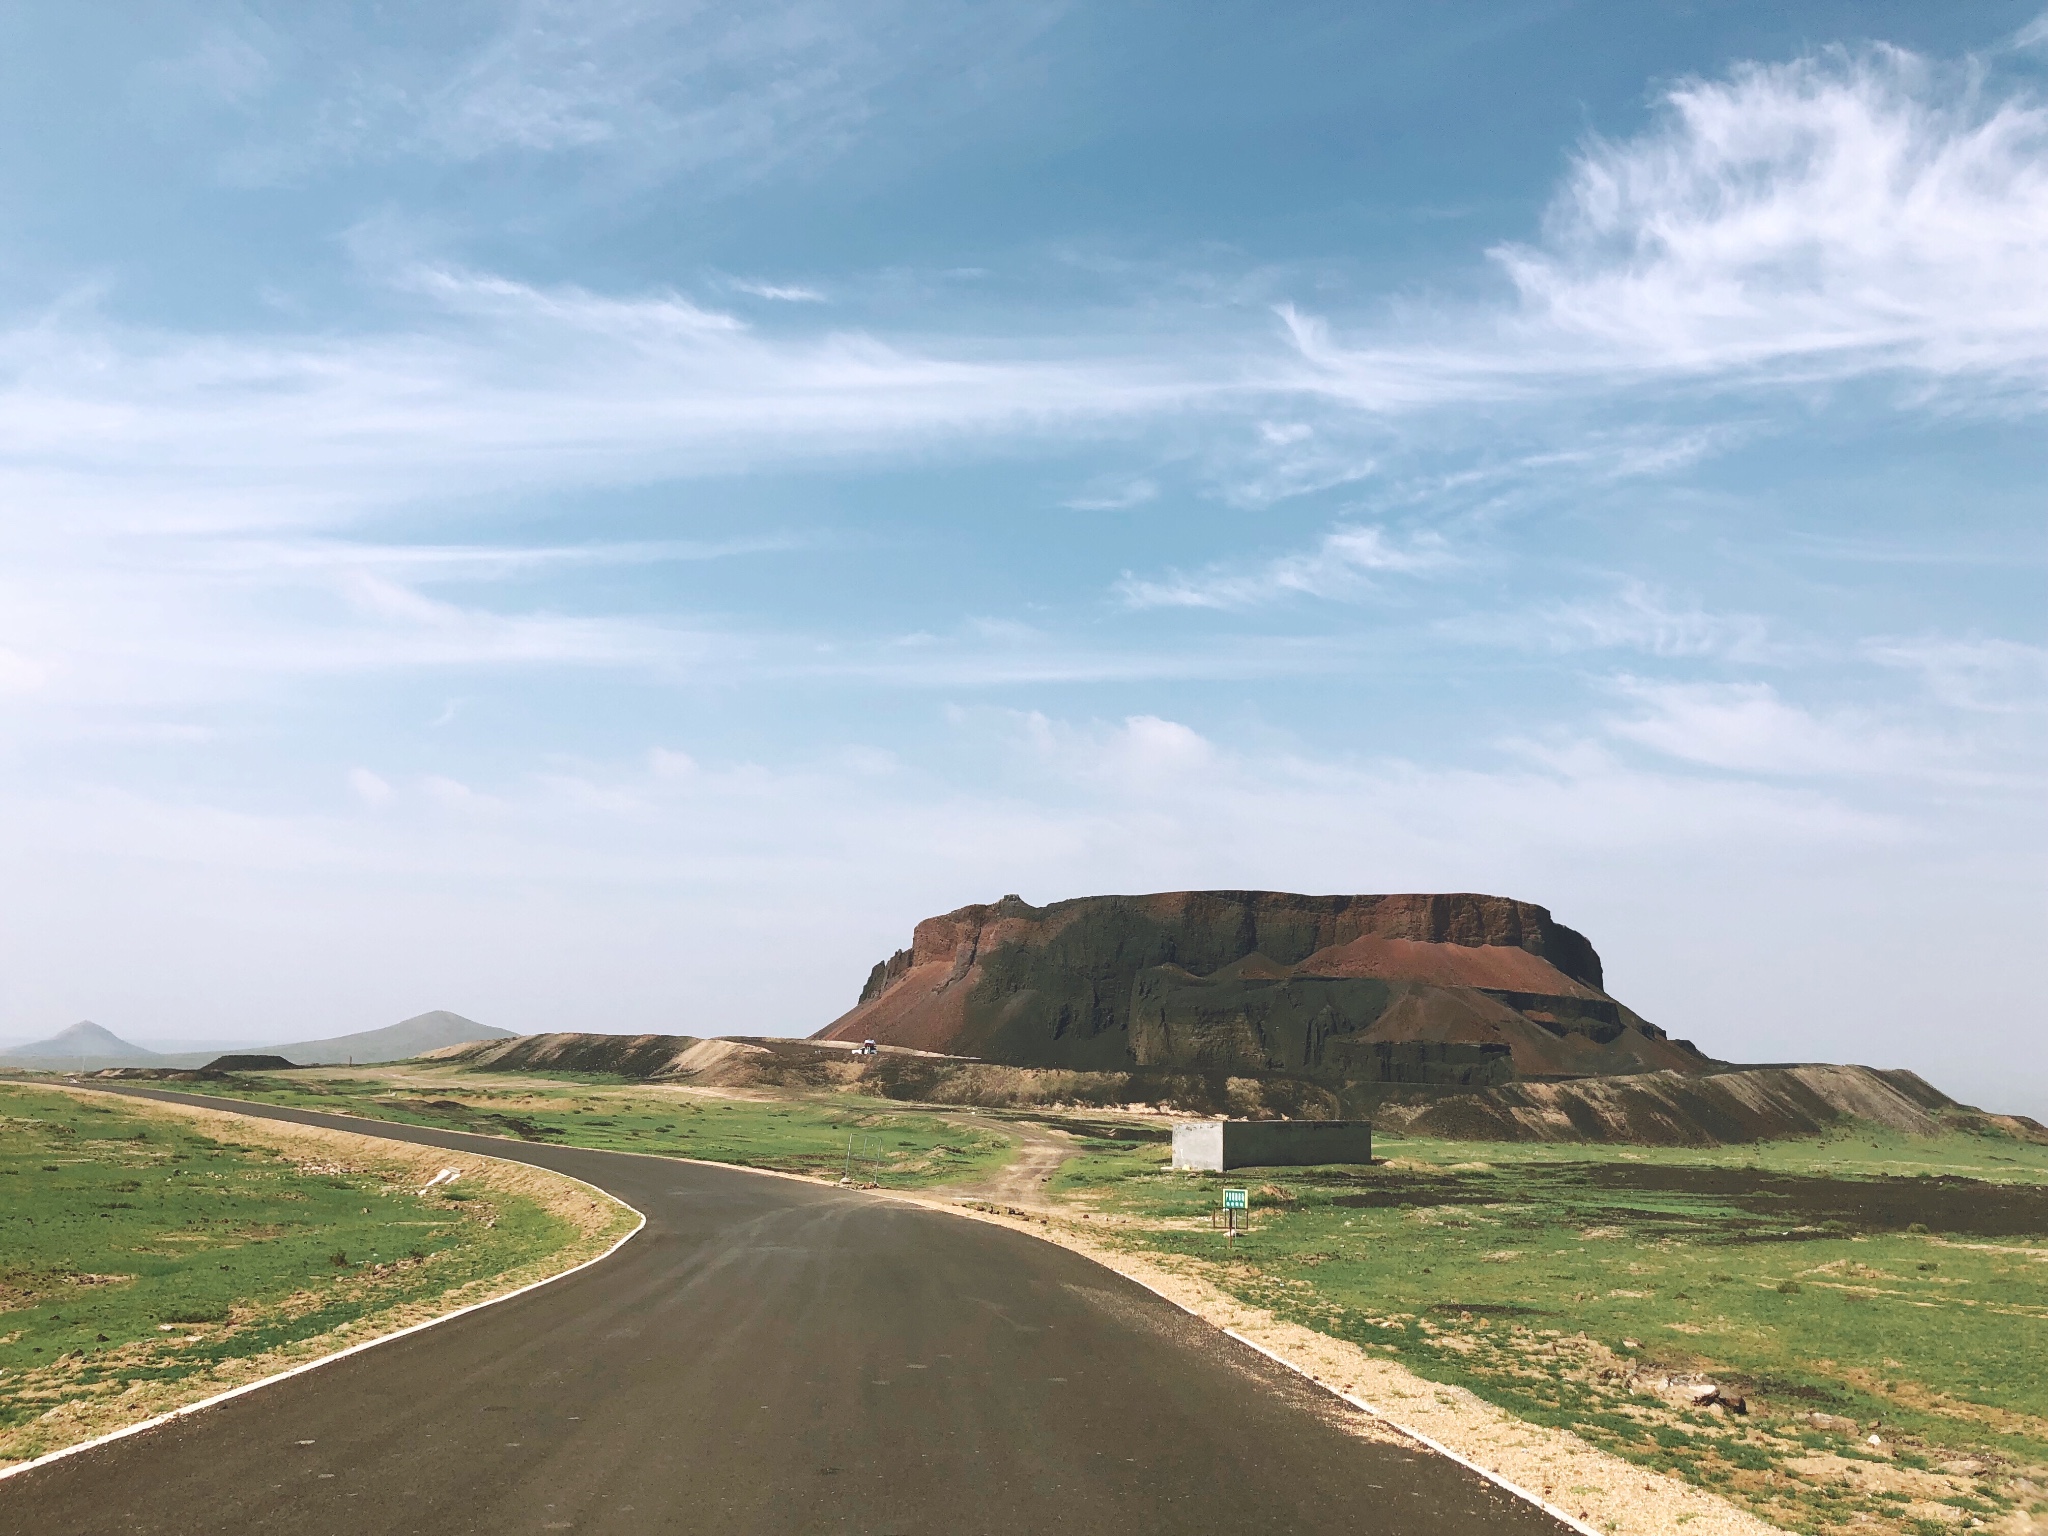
x,y
601,516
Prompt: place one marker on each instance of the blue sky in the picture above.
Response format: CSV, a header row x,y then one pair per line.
x,y
602,516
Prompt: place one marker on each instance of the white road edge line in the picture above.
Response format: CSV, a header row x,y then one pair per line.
x,y
1381,1414
1415,1434
354,1349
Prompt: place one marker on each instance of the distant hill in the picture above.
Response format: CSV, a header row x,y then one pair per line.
x,y
84,1046
395,1042
1454,989
87,1047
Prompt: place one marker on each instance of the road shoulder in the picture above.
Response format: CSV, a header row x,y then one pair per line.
x,y
1554,1467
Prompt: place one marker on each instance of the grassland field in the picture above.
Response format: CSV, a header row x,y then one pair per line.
x,y
870,1141
1891,1286
1896,1285
150,1257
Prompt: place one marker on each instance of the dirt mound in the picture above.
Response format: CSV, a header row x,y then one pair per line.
x,y
249,1061
1677,1109
641,1056
1460,989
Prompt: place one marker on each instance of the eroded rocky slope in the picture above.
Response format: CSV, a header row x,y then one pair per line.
x,y
1456,989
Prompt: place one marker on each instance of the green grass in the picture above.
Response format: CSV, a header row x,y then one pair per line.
x,y
123,1235
1791,1272
1885,1279
875,1141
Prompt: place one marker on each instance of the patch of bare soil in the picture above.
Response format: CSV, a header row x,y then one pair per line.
x,y
1023,1180
1761,1206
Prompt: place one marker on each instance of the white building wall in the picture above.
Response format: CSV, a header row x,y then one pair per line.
x,y
1198,1144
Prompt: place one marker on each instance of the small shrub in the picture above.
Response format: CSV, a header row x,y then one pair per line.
x,y
1788,1287
338,1258
215,1312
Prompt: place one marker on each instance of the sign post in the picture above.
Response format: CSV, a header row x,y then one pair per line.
x,y
1234,1200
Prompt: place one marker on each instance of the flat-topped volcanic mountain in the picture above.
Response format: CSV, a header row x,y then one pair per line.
x,y
1457,988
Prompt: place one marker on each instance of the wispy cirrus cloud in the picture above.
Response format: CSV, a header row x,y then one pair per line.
x,y
1637,616
781,293
1114,493
501,383
1845,210
645,91
1341,566
1976,673
1849,212
1751,728
462,562
1842,213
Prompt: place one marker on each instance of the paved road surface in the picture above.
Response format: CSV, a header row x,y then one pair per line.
x,y
770,1357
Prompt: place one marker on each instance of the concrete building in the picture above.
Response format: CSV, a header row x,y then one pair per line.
x,y
1215,1145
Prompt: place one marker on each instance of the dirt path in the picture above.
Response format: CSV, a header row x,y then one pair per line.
x,y
1023,1180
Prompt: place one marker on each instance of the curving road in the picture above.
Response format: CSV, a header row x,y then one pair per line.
x,y
772,1357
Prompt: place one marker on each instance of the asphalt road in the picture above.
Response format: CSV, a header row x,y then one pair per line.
x,y
768,1356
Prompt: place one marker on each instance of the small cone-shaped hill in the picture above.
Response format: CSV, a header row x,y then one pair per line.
x,y
84,1044
1459,988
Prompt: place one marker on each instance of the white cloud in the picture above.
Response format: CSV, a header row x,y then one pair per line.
x,y
784,293
228,66
500,385
1980,675
1638,617
1286,459
1841,211
1142,752
370,788
1843,214
464,562
451,794
1114,494
1339,567
639,91
1748,728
